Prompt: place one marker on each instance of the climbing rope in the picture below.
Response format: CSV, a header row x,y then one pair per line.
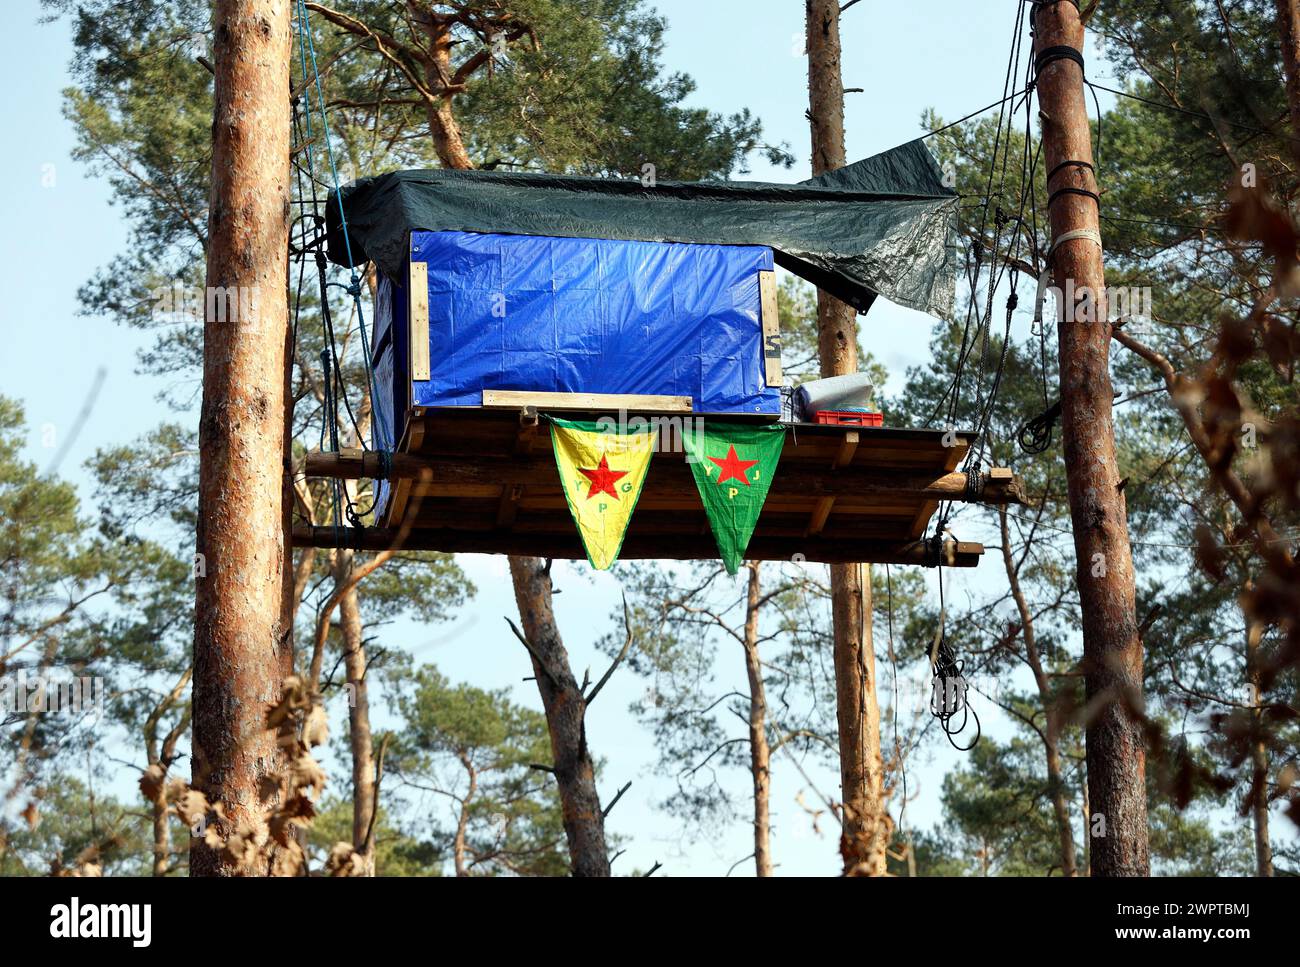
x,y
380,436
948,685
308,240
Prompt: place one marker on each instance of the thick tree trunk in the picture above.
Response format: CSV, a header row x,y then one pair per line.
x,y
866,825
566,711
1112,649
867,828
239,643
760,754
1052,716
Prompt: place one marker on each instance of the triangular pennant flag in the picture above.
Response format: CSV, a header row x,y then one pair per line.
x,y
602,472
733,464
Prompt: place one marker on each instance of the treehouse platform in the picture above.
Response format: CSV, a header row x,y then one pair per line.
x,y
484,480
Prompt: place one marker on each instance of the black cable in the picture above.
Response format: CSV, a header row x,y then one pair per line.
x,y
1070,190
1050,55
987,107
1035,435
1182,110
1066,164
949,695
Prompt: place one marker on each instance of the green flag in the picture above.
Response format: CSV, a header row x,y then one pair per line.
x,y
733,464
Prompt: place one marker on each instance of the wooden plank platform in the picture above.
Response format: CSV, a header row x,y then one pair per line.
x,y
485,480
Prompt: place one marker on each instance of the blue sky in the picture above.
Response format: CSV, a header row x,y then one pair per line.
x,y
59,227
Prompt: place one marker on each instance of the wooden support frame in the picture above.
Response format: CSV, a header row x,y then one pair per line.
x,y
516,399
649,546
672,476
922,519
479,480
411,440
842,459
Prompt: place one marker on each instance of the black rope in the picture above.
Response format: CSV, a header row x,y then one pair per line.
x,y
948,695
961,120
1035,435
1050,55
310,241
1066,164
1073,191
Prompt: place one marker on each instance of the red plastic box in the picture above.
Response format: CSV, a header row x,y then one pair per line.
x,y
849,418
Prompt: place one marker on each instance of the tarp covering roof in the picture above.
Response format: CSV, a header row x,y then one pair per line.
x,y
885,225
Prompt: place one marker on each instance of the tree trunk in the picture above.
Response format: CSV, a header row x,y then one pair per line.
x,y
1258,750
866,825
760,753
239,645
459,847
1052,725
566,710
445,131
1288,24
1112,650
162,757
360,740
1087,833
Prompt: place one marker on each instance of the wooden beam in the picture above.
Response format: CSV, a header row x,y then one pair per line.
x,y
508,505
922,519
412,439
528,427
847,448
771,329
642,547
419,319
513,399
669,474
842,459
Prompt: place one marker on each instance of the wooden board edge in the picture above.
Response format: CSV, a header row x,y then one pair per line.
x,y
517,399
418,317
771,322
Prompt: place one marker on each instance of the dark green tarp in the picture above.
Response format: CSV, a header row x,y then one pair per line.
x,y
885,225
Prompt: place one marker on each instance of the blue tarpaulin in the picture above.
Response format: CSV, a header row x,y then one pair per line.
x,y
582,315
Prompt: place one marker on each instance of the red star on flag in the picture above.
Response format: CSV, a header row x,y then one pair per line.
x,y
602,478
732,467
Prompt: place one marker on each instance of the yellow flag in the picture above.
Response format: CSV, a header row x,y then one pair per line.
x,y
602,474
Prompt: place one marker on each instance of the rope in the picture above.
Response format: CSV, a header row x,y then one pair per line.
x,y
308,238
1071,190
1035,435
380,429
948,696
1090,234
